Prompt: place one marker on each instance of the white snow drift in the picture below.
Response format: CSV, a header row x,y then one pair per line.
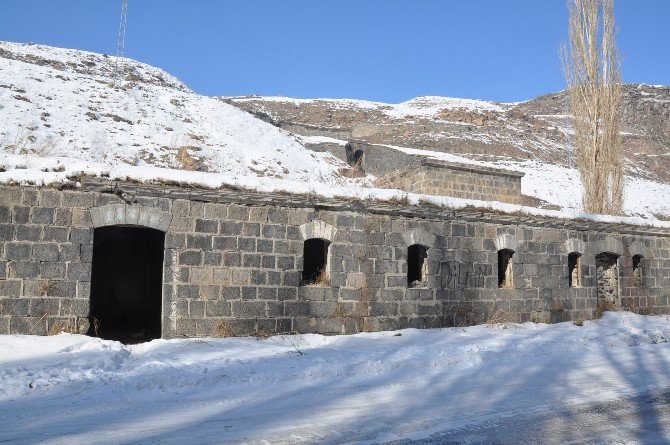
x,y
360,388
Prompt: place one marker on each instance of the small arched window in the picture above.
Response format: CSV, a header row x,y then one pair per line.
x,y
315,261
505,271
417,265
638,261
575,269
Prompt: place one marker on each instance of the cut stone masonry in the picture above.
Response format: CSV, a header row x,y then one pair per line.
x,y
233,261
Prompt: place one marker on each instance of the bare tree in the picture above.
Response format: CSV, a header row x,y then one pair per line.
x,y
592,70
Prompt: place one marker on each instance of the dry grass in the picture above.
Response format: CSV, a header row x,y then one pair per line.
x,y
68,327
95,326
323,279
223,330
403,200
502,317
187,161
46,288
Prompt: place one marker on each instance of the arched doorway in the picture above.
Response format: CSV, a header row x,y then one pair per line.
x,y
126,283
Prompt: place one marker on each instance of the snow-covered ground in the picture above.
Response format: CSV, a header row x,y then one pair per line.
x,y
364,388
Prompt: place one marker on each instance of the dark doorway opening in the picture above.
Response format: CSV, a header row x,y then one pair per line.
x,y
505,273
315,261
637,270
416,265
575,269
126,283
607,276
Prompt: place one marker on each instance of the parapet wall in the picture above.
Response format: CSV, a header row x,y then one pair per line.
x,y
235,259
441,178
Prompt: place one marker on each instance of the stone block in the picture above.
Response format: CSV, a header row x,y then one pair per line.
x,y
216,211
232,259
249,293
52,270
187,291
287,293
239,276
63,217
251,260
291,278
230,293
45,252
258,277
200,275
18,251
30,197
30,233
81,218
190,258
42,215
20,215
285,262
53,234
246,244
79,272
69,252
39,307
5,214
23,269
78,199
221,275
218,309
238,213
267,293
225,243
248,309
17,307
7,232
258,214
10,195
206,226
201,242
251,229
268,261
212,258
28,325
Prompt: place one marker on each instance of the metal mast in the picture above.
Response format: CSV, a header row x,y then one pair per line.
x,y
121,43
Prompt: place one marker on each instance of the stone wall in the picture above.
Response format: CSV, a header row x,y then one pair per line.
x,y
458,180
233,262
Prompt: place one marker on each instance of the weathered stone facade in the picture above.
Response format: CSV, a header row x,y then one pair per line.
x,y
441,178
233,262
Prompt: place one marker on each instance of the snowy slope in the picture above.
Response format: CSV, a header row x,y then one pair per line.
x,y
533,137
61,115
363,388
57,103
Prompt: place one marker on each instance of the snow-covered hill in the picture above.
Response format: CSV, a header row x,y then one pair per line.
x,y
59,110
62,115
532,136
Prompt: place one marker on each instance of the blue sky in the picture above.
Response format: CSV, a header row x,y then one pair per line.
x,y
385,50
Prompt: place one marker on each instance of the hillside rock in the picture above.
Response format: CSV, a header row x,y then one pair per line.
x,y
537,129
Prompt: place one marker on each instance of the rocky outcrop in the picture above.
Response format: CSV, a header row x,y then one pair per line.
x,y
535,129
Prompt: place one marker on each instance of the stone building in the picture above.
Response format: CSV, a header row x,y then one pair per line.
x,y
135,261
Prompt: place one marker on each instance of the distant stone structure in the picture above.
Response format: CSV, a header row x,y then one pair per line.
x,y
467,181
134,262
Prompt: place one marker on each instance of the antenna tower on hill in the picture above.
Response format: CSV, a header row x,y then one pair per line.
x,y
121,44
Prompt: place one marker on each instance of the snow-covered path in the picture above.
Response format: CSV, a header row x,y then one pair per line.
x,y
365,388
